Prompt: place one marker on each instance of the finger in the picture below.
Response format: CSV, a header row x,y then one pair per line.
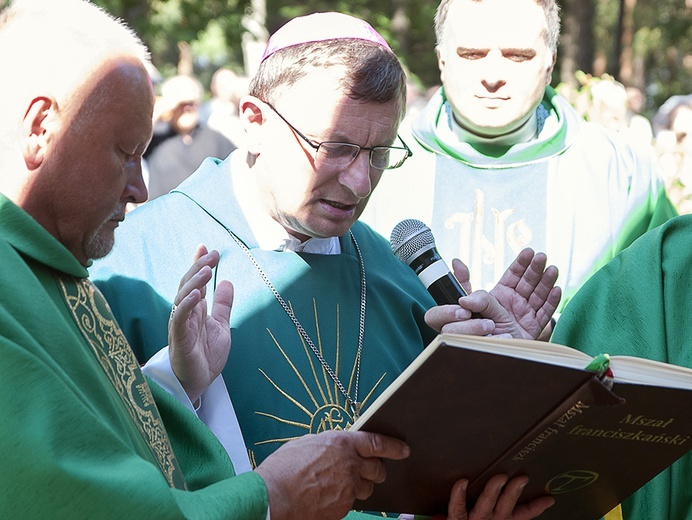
x,y
487,310
485,505
545,281
532,509
196,282
509,496
369,445
547,310
440,315
207,259
532,276
461,321
199,253
363,489
462,274
553,299
536,284
178,321
457,501
373,469
517,268
210,258
223,302
474,327
546,296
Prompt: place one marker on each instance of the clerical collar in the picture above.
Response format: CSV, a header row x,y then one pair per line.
x,y
526,132
270,235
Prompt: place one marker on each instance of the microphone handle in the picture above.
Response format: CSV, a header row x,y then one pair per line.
x,y
437,278
446,290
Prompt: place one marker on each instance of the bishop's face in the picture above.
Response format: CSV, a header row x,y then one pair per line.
x,y
307,198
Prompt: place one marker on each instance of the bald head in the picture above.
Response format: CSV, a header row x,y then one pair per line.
x,y
75,129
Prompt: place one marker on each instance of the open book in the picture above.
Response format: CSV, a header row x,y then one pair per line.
x,y
474,407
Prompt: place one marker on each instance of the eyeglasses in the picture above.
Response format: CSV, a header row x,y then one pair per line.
x,y
340,155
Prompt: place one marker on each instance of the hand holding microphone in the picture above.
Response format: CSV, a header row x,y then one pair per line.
x,y
520,305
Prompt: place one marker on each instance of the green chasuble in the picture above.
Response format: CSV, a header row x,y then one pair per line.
x,y
279,388
640,304
83,435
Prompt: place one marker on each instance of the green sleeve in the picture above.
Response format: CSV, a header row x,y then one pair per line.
x,y
62,457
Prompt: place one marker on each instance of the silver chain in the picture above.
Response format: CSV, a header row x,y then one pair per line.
x,y
353,402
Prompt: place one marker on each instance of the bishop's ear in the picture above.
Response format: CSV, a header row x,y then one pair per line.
x,y
36,127
252,118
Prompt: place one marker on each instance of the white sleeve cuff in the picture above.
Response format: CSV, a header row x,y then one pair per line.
x,y
215,408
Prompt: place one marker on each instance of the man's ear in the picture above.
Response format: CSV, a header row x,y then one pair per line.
x,y
440,59
549,71
252,118
36,127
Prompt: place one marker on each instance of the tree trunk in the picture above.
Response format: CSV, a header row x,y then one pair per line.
x,y
576,41
401,25
625,58
255,36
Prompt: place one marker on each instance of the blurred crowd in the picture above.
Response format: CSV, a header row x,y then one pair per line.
x,y
610,103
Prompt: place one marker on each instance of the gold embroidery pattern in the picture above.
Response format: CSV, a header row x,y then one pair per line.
x,y
328,410
96,323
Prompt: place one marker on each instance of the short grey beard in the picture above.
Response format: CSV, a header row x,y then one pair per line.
x,y
97,246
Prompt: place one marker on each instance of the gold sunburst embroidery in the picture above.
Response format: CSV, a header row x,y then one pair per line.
x,y
328,410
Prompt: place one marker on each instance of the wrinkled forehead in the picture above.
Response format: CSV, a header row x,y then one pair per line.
x,y
496,24
314,83
325,88
319,103
117,95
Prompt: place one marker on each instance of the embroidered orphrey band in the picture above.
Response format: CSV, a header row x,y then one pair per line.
x,y
98,326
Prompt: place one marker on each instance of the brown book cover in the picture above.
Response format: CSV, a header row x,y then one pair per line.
x,y
473,407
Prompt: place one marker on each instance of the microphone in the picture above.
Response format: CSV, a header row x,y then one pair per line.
x,y
413,243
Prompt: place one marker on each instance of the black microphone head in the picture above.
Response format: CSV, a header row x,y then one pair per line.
x,y
410,238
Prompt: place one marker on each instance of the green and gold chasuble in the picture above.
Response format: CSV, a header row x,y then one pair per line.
x,y
279,388
640,304
82,435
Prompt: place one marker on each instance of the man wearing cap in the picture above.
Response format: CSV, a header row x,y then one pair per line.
x,y
325,317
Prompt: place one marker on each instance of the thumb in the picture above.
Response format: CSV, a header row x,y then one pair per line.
x,y
376,445
462,274
223,302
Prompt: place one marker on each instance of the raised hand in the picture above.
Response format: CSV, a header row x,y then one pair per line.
x,y
199,343
318,477
527,292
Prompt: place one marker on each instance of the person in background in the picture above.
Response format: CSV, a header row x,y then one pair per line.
x,y
673,136
84,434
325,316
639,304
501,162
221,111
180,142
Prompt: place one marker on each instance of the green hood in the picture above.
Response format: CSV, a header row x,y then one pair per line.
x,y
432,130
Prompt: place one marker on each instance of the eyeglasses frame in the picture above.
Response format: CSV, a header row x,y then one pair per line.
x,y
316,145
